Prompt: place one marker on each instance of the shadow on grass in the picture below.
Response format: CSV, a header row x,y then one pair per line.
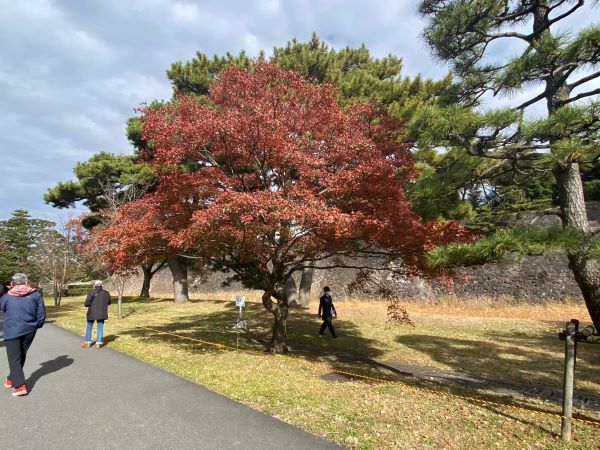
x,y
520,357
108,339
217,327
351,352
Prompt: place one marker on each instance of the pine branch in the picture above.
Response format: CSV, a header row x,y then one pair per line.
x,y
584,80
557,5
565,14
493,37
530,102
578,97
516,15
518,240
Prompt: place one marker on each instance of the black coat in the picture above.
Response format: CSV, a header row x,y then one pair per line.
x,y
97,302
326,307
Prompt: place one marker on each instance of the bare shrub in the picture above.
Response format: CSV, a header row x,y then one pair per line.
x,y
397,313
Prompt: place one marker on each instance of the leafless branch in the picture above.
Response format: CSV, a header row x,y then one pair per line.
x,y
584,79
530,102
578,5
580,96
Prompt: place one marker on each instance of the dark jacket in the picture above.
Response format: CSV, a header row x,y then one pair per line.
x,y
97,302
22,314
326,307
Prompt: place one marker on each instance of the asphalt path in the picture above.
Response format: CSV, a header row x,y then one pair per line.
x,y
88,398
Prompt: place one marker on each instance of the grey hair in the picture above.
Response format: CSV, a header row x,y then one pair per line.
x,y
19,278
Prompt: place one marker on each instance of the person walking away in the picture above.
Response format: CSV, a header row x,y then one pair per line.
x,y
24,312
97,302
327,311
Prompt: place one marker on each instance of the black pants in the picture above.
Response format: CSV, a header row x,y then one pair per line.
x,y
327,324
16,350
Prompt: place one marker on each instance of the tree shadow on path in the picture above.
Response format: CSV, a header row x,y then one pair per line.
x,y
48,367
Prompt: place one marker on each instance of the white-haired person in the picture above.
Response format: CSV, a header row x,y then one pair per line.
x,y
97,302
24,312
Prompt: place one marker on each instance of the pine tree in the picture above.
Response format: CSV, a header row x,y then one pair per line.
x,y
354,71
94,175
563,63
19,237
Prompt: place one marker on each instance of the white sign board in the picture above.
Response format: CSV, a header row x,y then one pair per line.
x,y
240,301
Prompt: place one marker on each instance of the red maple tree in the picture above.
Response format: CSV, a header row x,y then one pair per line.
x,y
268,175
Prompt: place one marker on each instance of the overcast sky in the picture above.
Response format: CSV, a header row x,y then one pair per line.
x,y
72,71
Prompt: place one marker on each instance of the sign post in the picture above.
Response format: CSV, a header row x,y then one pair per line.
x,y
570,351
240,302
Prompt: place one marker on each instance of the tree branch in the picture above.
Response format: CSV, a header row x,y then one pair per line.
x,y
503,18
530,102
565,14
584,80
580,96
524,37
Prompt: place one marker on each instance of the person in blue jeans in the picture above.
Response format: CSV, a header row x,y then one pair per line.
x,y
97,302
24,313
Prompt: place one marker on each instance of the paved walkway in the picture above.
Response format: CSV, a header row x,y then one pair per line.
x,y
88,398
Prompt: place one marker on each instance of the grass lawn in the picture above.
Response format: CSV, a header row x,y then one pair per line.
x,y
516,344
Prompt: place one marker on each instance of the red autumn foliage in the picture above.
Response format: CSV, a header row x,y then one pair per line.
x,y
269,171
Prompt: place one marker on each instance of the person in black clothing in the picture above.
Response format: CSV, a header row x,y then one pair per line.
x,y
326,311
97,302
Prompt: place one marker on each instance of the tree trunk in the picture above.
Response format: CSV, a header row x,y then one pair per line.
x,y
305,286
147,271
122,280
120,305
574,214
587,275
179,270
280,314
55,293
291,292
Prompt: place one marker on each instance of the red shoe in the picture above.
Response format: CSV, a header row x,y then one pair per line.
x,y
20,391
8,384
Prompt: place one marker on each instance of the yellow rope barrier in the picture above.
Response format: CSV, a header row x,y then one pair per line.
x,y
379,380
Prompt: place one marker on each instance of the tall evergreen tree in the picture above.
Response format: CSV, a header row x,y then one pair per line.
x,y
103,175
354,71
19,237
564,64
94,175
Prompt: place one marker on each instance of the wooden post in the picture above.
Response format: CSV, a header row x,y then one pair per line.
x,y
570,352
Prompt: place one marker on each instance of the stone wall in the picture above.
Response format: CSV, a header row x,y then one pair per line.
x,y
533,279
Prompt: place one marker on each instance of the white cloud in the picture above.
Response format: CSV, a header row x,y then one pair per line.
x,y
270,7
251,43
133,88
185,12
72,72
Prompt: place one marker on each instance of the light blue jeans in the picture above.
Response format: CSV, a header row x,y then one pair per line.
x,y
88,331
